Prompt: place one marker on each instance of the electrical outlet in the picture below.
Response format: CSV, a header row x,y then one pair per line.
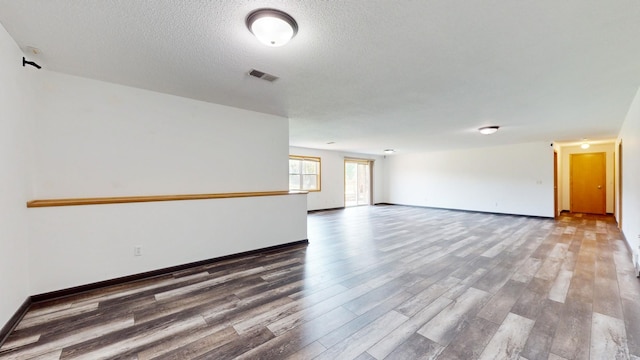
x,y
137,250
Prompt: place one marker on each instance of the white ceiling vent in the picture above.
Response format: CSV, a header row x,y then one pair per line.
x,y
263,75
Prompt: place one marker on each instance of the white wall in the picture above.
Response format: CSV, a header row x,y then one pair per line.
x,y
15,158
63,136
76,245
332,174
513,179
100,139
565,172
630,137
96,139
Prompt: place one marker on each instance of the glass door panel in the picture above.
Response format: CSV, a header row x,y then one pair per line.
x,y
363,184
357,183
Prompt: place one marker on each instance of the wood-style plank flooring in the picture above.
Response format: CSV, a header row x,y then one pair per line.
x,y
379,282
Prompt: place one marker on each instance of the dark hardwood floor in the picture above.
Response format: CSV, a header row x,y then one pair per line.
x,y
380,282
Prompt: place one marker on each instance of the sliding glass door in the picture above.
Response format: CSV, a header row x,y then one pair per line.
x,y
357,182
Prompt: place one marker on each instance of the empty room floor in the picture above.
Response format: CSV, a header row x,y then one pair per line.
x,y
378,282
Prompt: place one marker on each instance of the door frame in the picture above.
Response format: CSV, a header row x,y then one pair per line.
x,y
618,196
555,185
369,163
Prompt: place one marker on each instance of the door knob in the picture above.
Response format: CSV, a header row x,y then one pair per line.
x,y
599,187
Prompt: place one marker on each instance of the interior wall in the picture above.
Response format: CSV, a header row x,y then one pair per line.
x,y
16,100
513,179
332,174
96,139
630,137
76,245
100,139
565,183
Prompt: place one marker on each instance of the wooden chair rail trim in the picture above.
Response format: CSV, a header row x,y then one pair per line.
x,y
136,199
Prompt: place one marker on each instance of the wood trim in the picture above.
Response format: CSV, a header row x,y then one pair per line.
x,y
14,320
555,185
317,159
620,185
359,160
155,273
137,199
303,157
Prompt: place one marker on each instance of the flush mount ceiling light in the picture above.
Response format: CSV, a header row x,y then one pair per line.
x,y
389,151
585,145
488,130
272,27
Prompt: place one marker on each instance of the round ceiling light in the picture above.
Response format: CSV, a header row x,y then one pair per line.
x,y
389,151
272,27
488,130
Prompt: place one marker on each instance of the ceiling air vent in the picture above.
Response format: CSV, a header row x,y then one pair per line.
x,y
262,75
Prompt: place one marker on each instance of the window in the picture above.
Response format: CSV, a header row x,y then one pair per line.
x,y
304,173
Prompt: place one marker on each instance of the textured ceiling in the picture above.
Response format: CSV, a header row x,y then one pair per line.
x,y
414,75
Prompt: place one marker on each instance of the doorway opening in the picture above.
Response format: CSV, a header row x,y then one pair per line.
x,y
619,214
357,182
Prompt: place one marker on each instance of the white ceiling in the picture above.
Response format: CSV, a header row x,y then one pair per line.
x,y
414,75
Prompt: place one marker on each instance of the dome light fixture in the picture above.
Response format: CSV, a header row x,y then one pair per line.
x,y
272,27
585,145
389,151
488,130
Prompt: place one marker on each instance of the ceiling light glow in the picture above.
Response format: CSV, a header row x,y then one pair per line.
x,y
389,151
585,145
488,130
272,27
